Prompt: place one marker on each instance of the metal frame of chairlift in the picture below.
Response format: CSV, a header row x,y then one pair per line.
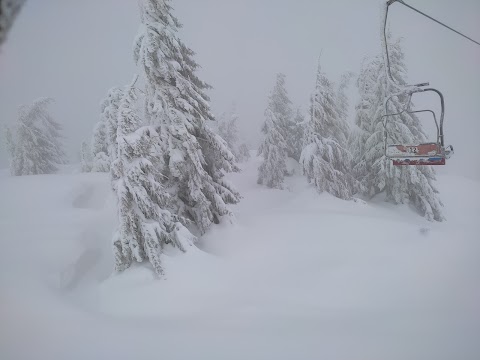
x,y
432,153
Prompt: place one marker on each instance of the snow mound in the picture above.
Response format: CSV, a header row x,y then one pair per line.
x,y
297,275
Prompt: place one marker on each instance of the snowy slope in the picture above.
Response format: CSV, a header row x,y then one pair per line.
x,y
298,275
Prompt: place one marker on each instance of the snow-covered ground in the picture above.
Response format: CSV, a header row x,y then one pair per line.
x,y
297,275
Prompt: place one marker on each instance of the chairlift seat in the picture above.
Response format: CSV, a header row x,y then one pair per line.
x,y
419,154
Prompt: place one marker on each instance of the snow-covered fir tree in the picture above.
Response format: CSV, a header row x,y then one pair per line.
x,y
281,105
297,134
8,12
101,160
146,227
9,144
325,158
109,109
273,149
402,184
35,144
279,141
104,139
342,98
85,157
243,153
228,129
369,107
177,105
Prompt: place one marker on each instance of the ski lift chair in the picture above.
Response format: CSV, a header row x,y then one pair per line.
x,y
430,153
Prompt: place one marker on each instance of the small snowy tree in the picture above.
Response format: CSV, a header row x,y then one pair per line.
x,y
274,152
99,140
101,161
36,146
9,144
109,108
406,184
146,227
85,157
9,141
243,153
325,158
228,130
103,143
177,105
297,134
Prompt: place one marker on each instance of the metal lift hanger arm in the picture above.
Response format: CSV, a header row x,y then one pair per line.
x,y
433,19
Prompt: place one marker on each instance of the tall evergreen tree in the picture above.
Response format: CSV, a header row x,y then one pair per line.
x,y
146,228
274,152
368,127
281,106
36,147
176,103
278,143
407,184
325,158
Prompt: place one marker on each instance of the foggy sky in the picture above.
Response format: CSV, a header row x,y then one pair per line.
x,y
74,51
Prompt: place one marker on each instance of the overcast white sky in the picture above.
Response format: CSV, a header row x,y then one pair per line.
x,y
75,51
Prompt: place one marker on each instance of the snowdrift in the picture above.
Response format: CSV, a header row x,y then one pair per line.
x,y
296,275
